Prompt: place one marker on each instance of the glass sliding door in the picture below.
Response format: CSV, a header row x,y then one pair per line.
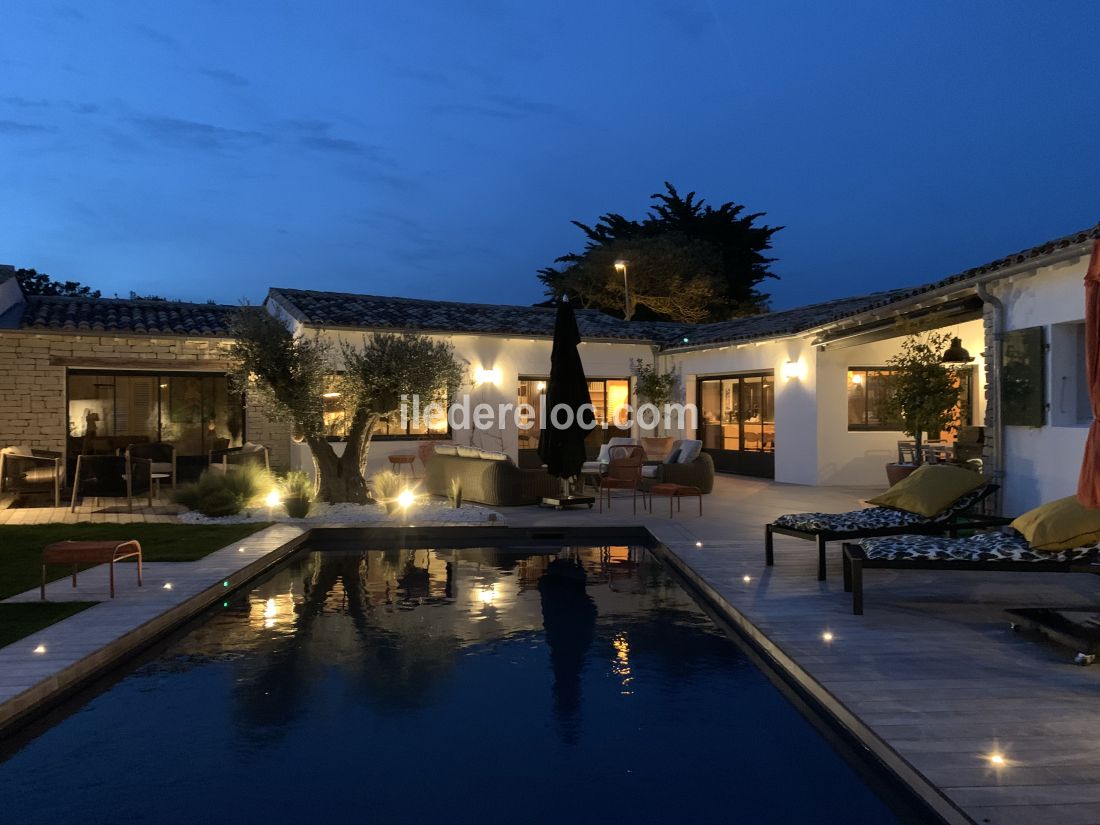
x,y
108,411
737,422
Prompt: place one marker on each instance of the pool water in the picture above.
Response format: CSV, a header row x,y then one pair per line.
x,y
455,686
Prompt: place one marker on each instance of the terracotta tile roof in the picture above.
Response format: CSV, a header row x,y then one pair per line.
x,y
60,314
343,309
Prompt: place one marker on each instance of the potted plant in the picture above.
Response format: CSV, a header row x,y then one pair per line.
x,y
651,386
298,490
923,394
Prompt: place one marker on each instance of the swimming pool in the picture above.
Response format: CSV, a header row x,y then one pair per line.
x,y
472,685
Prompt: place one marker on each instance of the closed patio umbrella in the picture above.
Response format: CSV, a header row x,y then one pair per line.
x,y
1088,485
561,440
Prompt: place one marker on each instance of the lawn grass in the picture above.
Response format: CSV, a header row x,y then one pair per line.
x,y
21,546
19,620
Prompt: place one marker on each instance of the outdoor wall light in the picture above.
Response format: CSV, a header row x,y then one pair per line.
x,y
794,369
956,353
488,376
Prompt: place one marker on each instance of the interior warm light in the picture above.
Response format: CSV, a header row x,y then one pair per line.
x,y
827,636
488,376
270,610
406,498
40,649
541,386
857,378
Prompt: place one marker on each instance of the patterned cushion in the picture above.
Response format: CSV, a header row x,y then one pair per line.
x,y
870,518
991,546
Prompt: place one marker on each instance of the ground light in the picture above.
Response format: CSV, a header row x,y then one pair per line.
x,y
272,501
406,499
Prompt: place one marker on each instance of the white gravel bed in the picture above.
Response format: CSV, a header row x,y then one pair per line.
x,y
422,513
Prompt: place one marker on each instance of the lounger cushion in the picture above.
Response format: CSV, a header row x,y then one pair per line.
x,y
930,489
1059,525
870,518
992,546
39,475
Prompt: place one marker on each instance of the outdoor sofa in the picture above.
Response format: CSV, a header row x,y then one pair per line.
x,y
822,528
487,477
684,464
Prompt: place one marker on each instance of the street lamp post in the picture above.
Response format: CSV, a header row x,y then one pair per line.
x,y
620,266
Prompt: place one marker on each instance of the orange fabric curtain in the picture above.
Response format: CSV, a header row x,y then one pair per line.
x,y
1088,485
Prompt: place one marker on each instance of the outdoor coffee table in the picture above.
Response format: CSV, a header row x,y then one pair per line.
x,y
677,491
90,552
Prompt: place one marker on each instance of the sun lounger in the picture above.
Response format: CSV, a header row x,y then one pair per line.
x,y
994,550
876,521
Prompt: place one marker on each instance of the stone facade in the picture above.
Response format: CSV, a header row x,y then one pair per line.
x,y
33,367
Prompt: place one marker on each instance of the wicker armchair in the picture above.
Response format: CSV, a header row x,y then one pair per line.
x,y
25,470
162,456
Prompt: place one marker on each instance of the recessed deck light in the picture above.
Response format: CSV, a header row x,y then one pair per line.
x,y
168,585
997,760
827,636
698,544
40,649
746,578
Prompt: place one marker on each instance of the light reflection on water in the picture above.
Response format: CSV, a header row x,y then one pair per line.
x,y
443,685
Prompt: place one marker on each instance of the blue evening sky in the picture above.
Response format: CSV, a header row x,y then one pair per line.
x,y
439,149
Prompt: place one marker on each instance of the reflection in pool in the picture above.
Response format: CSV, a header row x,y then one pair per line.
x,y
432,686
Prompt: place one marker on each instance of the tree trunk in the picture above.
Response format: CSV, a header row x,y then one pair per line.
x,y
918,459
337,479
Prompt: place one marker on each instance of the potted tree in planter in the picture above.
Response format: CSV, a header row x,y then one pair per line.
x,y
653,387
923,396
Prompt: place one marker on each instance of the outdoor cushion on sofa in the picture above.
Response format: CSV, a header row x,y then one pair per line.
x,y
689,450
604,458
930,490
1059,525
989,546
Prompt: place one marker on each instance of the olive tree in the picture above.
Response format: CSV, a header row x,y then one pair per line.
x,y
289,374
923,393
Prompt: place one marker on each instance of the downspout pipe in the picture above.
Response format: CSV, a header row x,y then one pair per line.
x,y
993,368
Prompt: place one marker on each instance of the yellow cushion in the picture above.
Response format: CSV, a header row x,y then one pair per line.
x,y
1059,525
930,489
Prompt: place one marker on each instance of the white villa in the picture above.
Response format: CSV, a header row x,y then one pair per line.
x,y
787,395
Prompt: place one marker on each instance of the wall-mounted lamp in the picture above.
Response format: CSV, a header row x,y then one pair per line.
x,y
956,353
488,376
793,369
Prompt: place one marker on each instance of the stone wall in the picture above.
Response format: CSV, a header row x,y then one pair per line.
x,y
33,367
